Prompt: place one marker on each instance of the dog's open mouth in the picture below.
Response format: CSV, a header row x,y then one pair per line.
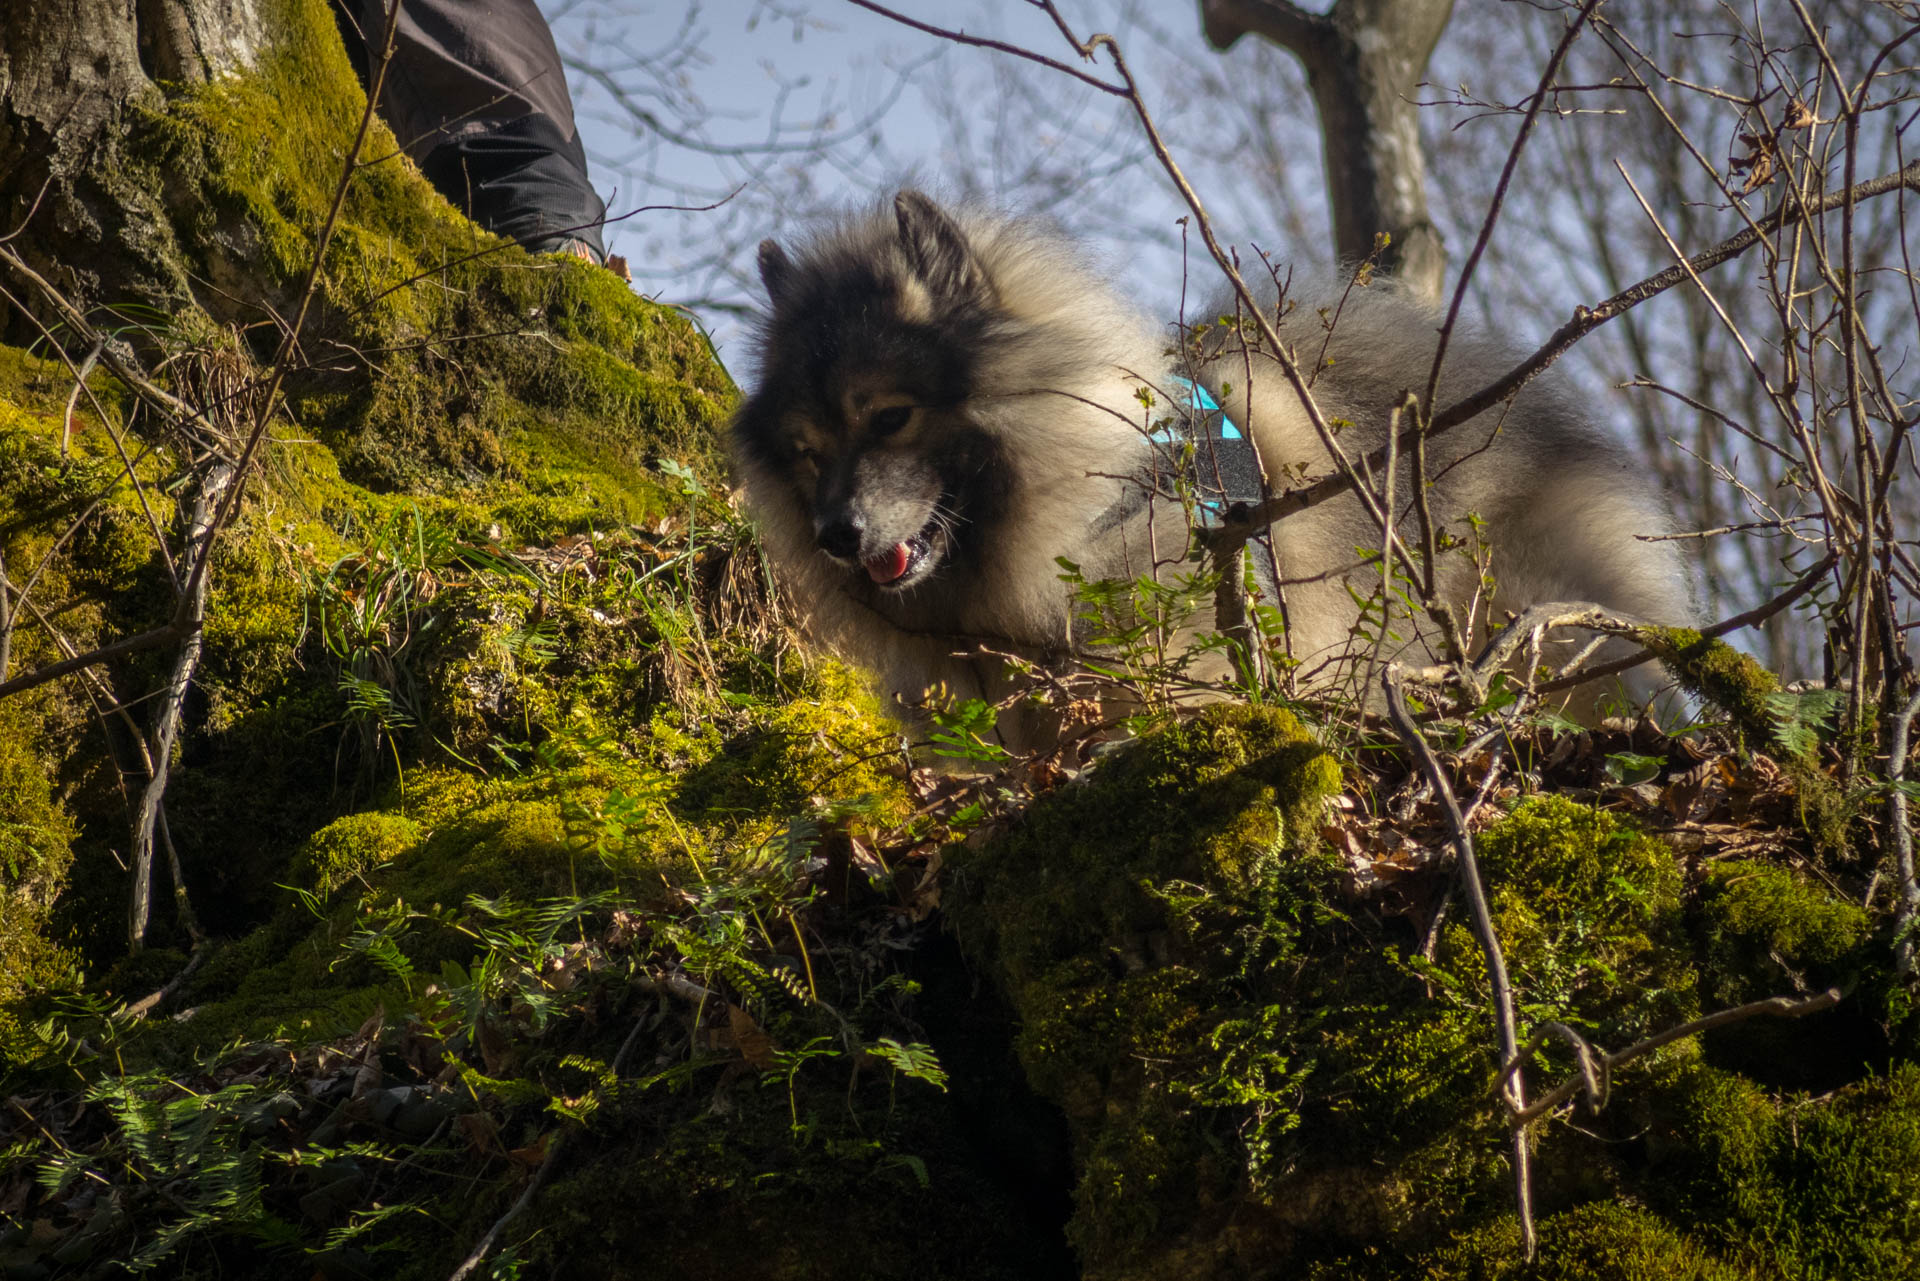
x,y
901,563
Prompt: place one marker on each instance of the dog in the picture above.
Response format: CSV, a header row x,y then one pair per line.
x,y
948,405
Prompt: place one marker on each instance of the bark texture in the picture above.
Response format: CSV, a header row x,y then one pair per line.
x,y
1363,59
76,77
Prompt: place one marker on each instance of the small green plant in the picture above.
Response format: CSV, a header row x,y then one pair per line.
x,y
1800,720
961,729
375,613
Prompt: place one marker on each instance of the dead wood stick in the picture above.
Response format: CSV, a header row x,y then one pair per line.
x,y
1512,1086
1909,908
1785,1007
166,721
148,1004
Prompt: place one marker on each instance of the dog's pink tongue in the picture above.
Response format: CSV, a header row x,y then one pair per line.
x,y
888,565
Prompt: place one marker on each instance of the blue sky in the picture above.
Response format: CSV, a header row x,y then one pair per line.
x,y
831,64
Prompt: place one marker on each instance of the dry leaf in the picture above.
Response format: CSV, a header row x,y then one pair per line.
x,y
755,1046
534,1155
482,1131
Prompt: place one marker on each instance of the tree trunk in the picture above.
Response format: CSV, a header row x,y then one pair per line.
x,y
1363,59
75,78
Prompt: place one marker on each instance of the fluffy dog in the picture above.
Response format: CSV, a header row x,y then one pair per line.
x,y
949,404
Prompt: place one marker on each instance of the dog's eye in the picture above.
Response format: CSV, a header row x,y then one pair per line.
x,y
885,422
805,453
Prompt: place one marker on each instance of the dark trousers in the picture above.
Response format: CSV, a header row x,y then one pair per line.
x,y
476,95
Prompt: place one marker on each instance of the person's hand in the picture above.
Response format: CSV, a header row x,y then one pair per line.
x,y
614,262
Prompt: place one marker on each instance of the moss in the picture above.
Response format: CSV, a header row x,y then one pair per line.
x,y
256,612
1252,1074
493,363
1721,675
1810,1187
828,739
32,967
1827,811
36,847
508,400
1767,931
350,847
515,845
1589,915
1620,1242
1747,693
1146,923
1758,920
36,832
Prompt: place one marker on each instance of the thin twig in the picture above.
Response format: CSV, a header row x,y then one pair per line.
x,y
1498,201
105,654
1513,1085
1752,617
182,904
106,424
1786,1007
148,1004
1585,320
166,720
479,1253
1908,911
1001,46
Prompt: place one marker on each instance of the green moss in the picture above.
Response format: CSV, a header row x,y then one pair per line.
x,y
32,966
1252,1073
1766,931
829,739
1619,1242
36,847
515,845
350,847
256,611
1588,913
493,362
1147,923
1809,1187
1723,676
36,832
1759,920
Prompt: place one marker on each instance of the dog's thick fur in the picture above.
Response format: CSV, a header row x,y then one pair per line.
x,y
948,404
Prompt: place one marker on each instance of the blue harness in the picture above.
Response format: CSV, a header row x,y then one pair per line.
x,y
1203,458
1206,450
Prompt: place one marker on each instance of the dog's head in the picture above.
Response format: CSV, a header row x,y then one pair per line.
x,y
869,356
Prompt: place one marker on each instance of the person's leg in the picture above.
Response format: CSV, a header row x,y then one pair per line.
x,y
477,96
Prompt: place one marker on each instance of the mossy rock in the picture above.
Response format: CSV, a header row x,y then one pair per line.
x,y
1767,927
505,397
1815,1187
1767,930
1257,1079
1138,920
1588,912
352,846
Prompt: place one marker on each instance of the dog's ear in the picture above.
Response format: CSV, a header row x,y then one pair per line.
x,y
776,269
938,249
